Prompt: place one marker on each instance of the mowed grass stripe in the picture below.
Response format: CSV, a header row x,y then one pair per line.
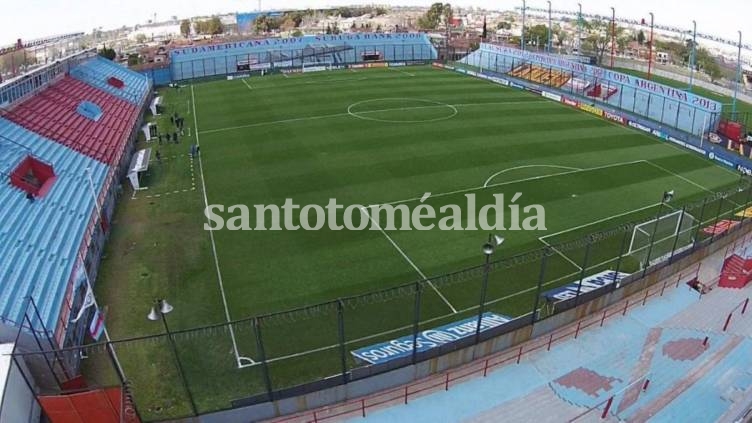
x,y
370,162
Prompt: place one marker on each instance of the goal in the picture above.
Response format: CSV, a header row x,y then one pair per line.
x,y
317,66
669,233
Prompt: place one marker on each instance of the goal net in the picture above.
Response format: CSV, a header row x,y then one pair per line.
x,y
673,232
316,66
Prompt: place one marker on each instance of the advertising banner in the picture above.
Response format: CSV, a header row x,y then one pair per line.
x,y
427,339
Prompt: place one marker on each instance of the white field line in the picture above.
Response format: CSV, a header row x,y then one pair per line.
x,y
411,75
685,179
564,256
238,358
427,321
434,319
532,178
485,184
247,84
335,115
409,261
599,221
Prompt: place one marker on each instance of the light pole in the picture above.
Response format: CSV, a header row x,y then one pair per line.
x,y
650,46
522,37
613,36
550,30
488,250
159,311
738,76
579,28
667,197
693,55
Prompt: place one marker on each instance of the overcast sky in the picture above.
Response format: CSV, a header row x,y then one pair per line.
x,y
29,19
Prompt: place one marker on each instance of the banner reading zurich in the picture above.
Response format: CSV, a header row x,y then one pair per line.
x,y
427,339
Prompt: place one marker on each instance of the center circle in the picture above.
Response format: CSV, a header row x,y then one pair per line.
x,y
401,110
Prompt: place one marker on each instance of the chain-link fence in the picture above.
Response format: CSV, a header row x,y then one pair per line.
x,y
188,372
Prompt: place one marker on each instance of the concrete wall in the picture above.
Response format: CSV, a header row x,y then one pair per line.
x,y
17,402
462,356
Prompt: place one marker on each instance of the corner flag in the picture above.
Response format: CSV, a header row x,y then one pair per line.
x,y
96,328
88,302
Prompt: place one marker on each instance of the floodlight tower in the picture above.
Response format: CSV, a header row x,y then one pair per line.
x,y
693,55
550,29
613,36
522,37
738,75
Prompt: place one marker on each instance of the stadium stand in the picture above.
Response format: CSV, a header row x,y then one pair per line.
x,y
55,132
41,236
627,96
221,59
550,77
113,79
54,113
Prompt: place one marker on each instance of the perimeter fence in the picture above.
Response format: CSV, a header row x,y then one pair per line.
x,y
182,373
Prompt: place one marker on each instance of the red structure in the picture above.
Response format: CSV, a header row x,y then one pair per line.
x,y
52,113
108,405
116,82
33,176
735,272
732,130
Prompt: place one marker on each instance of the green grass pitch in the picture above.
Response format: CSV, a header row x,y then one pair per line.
x,y
363,137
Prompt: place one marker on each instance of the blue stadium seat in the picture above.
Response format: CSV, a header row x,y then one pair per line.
x,y
104,74
40,239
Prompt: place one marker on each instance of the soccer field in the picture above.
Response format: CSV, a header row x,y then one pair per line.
x,y
371,137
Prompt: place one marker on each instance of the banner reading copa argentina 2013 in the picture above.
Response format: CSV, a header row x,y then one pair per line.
x,y
427,339
607,74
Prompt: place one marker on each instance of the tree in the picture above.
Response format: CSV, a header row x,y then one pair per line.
x,y
133,59
485,29
599,38
140,38
107,53
185,27
434,15
212,26
215,26
641,37
503,25
708,64
537,34
713,69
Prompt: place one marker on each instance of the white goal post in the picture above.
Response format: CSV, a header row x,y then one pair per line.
x,y
316,66
669,233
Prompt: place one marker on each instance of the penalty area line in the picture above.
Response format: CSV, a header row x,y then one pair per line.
x,y
247,85
564,256
409,261
411,75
